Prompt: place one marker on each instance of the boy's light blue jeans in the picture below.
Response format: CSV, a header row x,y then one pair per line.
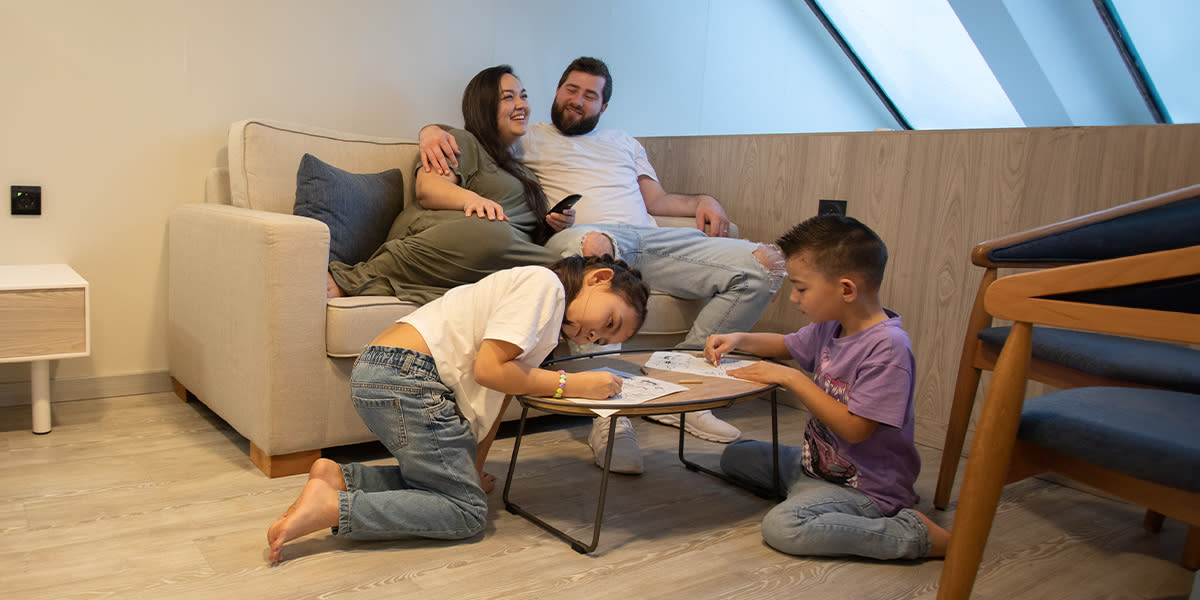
x,y
686,263
433,491
820,518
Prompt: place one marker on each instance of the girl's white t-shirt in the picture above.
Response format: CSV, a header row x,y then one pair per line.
x,y
523,306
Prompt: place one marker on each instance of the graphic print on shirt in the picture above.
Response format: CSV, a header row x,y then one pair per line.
x,y
819,456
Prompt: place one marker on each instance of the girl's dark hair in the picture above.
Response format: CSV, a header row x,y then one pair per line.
x,y
626,281
480,103
838,246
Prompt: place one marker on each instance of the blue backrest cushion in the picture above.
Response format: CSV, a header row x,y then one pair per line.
x,y
1148,362
1166,227
358,208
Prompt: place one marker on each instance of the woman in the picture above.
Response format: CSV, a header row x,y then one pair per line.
x,y
503,220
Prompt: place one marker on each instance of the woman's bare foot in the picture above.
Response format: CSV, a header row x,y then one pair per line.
x,y
487,481
331,287
314,510
939,536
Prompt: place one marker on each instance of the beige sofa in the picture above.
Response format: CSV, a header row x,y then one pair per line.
x,y
251,334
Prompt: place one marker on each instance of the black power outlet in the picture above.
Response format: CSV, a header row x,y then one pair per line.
x,y
26,199
831,207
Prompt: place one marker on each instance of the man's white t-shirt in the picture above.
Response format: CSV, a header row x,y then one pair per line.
x,y
523,306
602,165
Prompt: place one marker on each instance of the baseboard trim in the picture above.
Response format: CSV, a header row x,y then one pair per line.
x,y
86,388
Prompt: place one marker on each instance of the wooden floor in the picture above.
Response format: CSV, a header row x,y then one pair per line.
x,y
149,497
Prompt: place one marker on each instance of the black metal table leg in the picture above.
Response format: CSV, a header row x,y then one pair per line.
x,y
576,544
773,494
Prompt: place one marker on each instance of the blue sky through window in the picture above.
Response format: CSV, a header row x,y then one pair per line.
x,y
925,61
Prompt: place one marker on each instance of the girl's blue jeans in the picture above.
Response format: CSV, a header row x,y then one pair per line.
x,y
820,518
433,490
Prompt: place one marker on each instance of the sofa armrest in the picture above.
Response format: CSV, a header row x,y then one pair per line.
x,y
246,302
689,222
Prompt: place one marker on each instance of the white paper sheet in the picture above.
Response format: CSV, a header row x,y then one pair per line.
x,y
688,363
635,389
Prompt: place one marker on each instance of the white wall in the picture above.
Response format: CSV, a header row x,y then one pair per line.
x,y
119,108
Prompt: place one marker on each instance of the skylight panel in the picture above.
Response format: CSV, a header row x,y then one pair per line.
x,y
925,61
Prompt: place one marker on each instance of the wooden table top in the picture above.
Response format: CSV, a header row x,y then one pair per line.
x,y
712,392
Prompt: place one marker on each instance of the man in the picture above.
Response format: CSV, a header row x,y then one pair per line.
x,y
620,193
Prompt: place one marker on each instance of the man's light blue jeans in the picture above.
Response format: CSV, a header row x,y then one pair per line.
x,y
820,518
433,491
686,263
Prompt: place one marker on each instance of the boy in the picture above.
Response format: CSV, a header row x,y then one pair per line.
x,y
850,487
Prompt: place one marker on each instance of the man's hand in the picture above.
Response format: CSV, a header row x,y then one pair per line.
x,y
439,150
562,220
710,213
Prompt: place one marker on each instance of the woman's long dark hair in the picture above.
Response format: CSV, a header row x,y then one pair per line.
x,y
480,103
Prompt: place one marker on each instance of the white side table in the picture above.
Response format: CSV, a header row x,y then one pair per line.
x,y
45,315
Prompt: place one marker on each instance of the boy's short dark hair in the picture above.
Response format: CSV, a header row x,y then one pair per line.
x,y
591,66
838,246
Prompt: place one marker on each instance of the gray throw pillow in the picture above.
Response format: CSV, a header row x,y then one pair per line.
x,y
358,208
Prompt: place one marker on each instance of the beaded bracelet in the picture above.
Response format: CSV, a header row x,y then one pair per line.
x,y
562,383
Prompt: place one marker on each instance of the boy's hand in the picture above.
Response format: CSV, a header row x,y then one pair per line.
x,y
763,372
720,344
592,384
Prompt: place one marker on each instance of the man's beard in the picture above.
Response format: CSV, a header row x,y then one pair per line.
x,y
580,127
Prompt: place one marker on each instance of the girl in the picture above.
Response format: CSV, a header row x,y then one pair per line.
x,y
433,386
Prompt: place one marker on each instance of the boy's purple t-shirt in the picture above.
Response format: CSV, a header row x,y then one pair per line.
x,y
872,372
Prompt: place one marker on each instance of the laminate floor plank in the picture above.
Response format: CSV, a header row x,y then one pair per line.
x,y
150,497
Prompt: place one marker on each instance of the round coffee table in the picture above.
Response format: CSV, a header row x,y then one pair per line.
x,y
709,393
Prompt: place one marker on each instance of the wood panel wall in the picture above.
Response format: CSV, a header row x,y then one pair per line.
x,y
931,195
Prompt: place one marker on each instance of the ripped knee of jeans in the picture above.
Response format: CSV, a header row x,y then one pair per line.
x,y
596,243
772,260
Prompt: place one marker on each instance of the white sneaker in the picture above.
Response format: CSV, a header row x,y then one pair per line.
x,y
702,424
626,456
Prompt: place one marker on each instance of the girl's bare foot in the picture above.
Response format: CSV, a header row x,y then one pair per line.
x,y
487,481
330,472
314,510
939,536
331,287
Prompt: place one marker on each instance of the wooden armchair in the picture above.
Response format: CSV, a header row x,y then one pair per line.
x,y
1064,358
1136,443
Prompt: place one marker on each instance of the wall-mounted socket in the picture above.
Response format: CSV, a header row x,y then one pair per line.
x,y
831,207
26,199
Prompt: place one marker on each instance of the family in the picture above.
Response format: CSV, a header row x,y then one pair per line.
x,y
432,386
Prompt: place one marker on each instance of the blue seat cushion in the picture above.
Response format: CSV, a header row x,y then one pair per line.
x,y
1147,362
1146,433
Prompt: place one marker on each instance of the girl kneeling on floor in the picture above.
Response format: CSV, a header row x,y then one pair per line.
x,y
432,388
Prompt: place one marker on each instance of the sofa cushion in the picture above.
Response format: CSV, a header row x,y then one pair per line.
x,y
358,208
352,322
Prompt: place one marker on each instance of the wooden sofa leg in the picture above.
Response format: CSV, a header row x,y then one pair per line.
x,y
282,465
181,391
1191,548
1153,521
